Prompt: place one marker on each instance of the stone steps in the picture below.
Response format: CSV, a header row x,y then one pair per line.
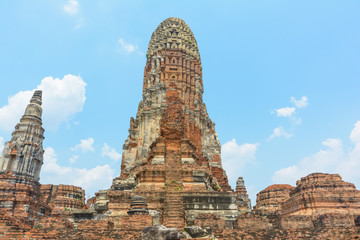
x,y
174,212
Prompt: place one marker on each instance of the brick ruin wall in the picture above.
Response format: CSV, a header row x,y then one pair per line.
x,y
321,225
63,198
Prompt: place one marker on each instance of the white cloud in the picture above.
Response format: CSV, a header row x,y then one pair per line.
x,y
110,152
71,7
285,112
125,47
10,114
73,158
351,167
62,99
80,24
1,145
288,175
92,180
85,145
296,121
280,132
301,103
334,158
355,134
289,112
234,157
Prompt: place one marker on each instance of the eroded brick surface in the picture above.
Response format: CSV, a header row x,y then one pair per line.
x,y
321,193
62,198
269,200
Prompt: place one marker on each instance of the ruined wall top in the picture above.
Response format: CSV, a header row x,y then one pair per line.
x,y
174,33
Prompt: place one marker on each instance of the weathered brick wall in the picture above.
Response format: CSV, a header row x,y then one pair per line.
x,y
326,233
321,193
296,222
269,200
57,227
251,221
134,222
213,221
63,198
331,220
17,228
21,196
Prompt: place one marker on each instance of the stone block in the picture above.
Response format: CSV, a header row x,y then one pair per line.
x,y
160,232
196,232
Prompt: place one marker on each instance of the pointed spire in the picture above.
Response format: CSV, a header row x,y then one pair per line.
x,y
37,97
34,109
23,154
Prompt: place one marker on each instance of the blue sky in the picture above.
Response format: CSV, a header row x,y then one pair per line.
x,y
281,82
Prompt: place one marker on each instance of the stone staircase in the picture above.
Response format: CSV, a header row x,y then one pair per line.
x,y
174,213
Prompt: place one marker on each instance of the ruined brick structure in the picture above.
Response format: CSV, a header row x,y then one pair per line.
x,y
320,193
269,200
23,154
242,199
173,63
63,198
21,162
172,154
22,197
172,184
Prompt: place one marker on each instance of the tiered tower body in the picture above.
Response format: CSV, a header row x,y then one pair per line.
x,y
173,62
21,162
172,154
23,154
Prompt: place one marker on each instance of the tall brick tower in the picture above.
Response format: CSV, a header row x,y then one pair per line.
x,y
172,154
173,63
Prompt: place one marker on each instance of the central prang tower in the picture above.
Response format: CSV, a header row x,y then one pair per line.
x,y
172,154
173,63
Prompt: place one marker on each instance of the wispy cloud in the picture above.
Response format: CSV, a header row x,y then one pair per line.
x,y
289,112
301,103
71,7
334,158
126,47
85,145
92,180
80,24
110,152
285,112
62,99
74,158
279,132
235,157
